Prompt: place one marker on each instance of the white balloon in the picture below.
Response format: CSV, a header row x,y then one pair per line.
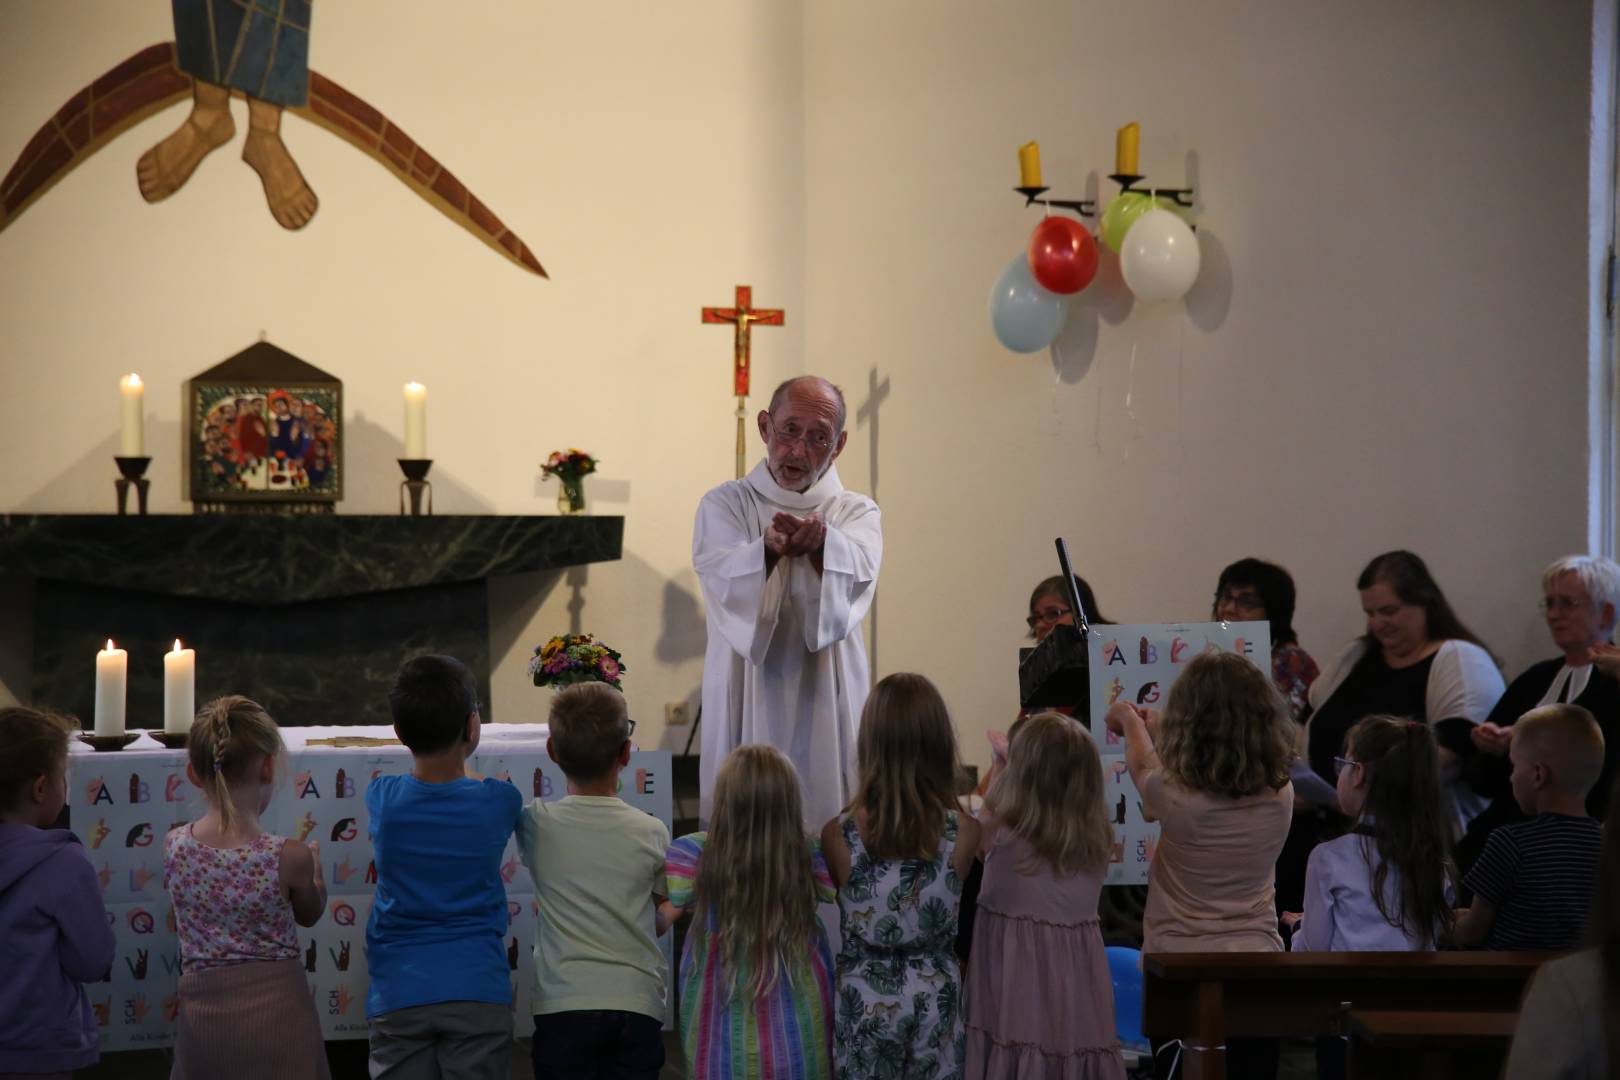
x,y
1159,258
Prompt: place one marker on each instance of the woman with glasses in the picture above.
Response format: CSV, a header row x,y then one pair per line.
x,y
1049,606
1250,590
1580,598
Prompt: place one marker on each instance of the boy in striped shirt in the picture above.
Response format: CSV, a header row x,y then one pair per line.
x,y
1534,882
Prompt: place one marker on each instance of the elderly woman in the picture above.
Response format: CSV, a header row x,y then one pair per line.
x,y
1250,590
1580,598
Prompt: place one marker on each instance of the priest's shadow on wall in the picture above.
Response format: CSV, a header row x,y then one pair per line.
x,y
867,415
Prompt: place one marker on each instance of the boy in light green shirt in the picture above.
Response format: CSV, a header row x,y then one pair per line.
x,y
598,870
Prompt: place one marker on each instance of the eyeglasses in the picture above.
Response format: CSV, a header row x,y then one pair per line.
x,y
1342,763
1560,603
1243,601
632,730
817,442
1049,617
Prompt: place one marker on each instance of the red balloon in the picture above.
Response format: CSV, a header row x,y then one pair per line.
x,y
1062,255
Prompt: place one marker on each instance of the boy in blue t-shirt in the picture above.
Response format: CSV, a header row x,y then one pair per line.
x,y
440,999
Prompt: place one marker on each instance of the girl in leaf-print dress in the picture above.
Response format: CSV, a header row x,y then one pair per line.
x,y
899,855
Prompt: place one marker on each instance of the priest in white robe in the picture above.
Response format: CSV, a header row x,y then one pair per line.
x,y
788,562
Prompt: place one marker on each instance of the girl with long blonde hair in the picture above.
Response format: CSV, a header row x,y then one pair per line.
x,y
1039,998
756,972
900,853
245,1009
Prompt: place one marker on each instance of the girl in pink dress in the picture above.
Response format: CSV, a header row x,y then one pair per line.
x,y
1040,1002
245,1008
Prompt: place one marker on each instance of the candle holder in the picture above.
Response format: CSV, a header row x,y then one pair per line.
x,y
1083,207
1128,182
171,740
134,472
109,742
415,485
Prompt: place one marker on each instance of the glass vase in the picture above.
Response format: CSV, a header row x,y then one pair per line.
x,y
570,496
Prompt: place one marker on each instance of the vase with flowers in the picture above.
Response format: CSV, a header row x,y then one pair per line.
x,y
570,467
575,658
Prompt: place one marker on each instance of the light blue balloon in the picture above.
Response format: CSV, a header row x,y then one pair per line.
x,y
1025,317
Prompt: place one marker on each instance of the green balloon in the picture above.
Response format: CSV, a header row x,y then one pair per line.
x,y
1122,214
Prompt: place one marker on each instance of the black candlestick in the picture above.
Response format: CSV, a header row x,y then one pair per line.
x,y
134,472
415,486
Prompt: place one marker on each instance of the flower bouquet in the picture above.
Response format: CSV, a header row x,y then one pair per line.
x,y
575,658
570,468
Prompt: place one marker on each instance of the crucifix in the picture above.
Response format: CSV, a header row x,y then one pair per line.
x,y
743,316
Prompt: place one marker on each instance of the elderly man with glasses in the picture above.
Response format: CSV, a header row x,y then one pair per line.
x,y
788,561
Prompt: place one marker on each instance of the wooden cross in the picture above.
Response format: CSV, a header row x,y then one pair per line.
x,y
742,317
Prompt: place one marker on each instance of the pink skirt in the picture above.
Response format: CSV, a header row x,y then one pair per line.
x,y
1040,1002
252,1021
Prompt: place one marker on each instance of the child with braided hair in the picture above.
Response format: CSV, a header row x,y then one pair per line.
x,y
245,1009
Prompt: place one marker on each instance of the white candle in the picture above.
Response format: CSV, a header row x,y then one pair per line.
x,y
179,689
415,420
112,674
132,434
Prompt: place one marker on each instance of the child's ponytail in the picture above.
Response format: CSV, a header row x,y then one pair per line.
x,y
1407,814
228,735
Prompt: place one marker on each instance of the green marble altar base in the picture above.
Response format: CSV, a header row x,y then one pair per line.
x,y
309,615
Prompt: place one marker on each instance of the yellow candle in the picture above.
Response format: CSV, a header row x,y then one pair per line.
x,y
112,674
415,420
132,433
1029,165
179,688
1126,143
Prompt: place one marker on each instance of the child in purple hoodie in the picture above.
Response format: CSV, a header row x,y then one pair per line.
x,y
52,920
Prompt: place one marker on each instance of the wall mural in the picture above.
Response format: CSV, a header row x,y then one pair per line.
x,y
257,50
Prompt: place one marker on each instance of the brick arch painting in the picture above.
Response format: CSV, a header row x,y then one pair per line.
x,y
257,50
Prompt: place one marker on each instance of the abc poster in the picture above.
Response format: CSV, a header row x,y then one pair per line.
x,y
1139,664
122,805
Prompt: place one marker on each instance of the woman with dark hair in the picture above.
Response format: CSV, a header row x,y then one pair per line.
x,y
1416,661
1569,1023
1252,589
1049,606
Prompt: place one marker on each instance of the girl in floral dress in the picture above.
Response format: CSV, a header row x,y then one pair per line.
x,y
899,854
245,1008
756,974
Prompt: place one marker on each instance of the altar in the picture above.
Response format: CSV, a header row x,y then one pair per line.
x,y
307,614
121,804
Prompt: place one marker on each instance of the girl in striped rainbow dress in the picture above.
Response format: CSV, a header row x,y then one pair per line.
x,y
756,973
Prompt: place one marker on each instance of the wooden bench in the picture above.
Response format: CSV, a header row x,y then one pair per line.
x,y
1427,1045
1203,998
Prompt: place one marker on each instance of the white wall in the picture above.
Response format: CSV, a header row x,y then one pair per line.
x,y
649,154
1387,348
